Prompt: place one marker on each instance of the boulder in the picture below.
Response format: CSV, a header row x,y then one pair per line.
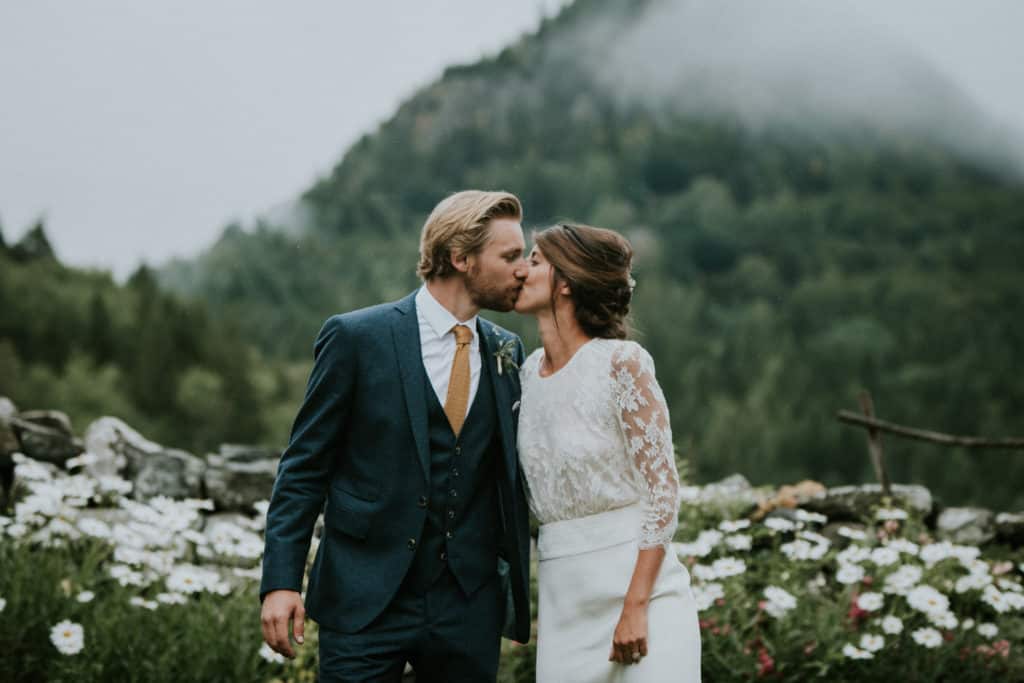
x,y
171,473
853,503
52,444
238,477
7,408
118,448
732,496
54,419
1010,528
966,525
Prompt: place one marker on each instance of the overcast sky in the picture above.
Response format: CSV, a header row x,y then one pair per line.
x,y
139,129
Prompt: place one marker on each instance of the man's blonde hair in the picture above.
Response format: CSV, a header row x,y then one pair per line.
x,y
461,224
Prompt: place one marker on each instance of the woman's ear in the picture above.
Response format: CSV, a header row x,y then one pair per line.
x,y
563,289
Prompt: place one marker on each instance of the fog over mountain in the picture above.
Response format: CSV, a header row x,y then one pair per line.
x,y
818,67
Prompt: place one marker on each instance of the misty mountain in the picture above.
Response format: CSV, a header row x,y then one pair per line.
x,y
815,211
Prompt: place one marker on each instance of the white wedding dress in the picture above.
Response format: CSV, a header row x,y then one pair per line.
x,y
596,448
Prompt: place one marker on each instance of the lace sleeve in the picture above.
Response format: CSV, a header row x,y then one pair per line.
x,y
643,417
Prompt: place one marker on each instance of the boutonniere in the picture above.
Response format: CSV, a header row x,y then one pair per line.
x,y
505,355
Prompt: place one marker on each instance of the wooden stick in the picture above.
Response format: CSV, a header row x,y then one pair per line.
x,y
853,418
875,443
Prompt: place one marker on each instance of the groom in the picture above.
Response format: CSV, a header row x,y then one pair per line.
x,y
407,432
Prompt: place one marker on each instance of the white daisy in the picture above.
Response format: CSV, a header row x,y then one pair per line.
x,y
926,599
872,642
779,524
732,526
967,624
68,637
853,652
869,602
883,557
738,542
902,580
946,620
849,573
988,630
855,534
141,602
995,599
927,637
890,513
810,517
85,596
3,604
972,582
171,598
729,566
904,546
853,554
892,625
936,552
271,656
706,594
94,527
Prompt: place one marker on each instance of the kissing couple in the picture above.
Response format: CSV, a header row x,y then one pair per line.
x,y
427,436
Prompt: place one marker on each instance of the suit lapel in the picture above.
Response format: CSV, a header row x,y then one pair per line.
x,y
406,334
502,400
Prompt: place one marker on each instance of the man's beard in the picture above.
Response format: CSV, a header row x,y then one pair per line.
x,y
488,295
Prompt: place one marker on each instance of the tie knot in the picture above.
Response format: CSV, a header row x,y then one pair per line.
x,y
463,335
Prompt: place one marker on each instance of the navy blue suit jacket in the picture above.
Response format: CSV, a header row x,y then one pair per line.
x,y
359,444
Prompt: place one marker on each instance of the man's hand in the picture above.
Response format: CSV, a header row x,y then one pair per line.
x,y
280,607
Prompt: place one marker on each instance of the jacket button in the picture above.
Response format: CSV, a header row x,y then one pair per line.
x,y
451,514
443,556
412,544
458,450
453,493
455,473
422,502
448,535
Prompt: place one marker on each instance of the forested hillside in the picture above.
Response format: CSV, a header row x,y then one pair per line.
x,y
782,264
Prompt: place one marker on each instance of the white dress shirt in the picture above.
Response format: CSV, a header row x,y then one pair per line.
x,y
437,345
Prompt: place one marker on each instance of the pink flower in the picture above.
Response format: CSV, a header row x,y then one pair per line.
x,y
766,664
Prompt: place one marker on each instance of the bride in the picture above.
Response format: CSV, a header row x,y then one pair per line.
x,y
596,448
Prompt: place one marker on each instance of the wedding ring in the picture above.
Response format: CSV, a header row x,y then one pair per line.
x,y
636,656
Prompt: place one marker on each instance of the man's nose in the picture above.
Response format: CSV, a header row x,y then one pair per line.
x,y
522,269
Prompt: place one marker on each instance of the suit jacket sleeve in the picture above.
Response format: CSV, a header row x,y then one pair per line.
x,y
304,470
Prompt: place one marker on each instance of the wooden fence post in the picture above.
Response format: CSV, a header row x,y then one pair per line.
x,y
875,444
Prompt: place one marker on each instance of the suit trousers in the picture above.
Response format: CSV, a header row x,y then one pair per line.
x,y
446,636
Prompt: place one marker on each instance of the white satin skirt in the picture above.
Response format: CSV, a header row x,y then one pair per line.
x,y
585,568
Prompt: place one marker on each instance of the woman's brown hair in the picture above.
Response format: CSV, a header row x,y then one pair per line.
x,y
595,263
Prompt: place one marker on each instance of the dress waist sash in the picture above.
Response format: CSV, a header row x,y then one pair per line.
x,y
593,532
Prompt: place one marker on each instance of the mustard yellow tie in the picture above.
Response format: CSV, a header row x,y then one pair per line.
x,y
458,383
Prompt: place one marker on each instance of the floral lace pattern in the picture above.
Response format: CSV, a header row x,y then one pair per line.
x,y
595,436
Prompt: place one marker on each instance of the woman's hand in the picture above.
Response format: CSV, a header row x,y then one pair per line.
x,y
629,644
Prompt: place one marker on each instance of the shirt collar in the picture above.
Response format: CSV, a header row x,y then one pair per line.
x,y
439,318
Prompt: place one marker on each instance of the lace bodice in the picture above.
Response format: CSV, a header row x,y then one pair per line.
x,y
595,436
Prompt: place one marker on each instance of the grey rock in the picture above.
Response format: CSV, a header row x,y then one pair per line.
x,y
43,443
967,525
732,496
236,483
54,419
118,448
1010,528
244,453
171,473
7,408
851,503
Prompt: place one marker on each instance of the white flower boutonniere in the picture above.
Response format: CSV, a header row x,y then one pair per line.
x,y
505,355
